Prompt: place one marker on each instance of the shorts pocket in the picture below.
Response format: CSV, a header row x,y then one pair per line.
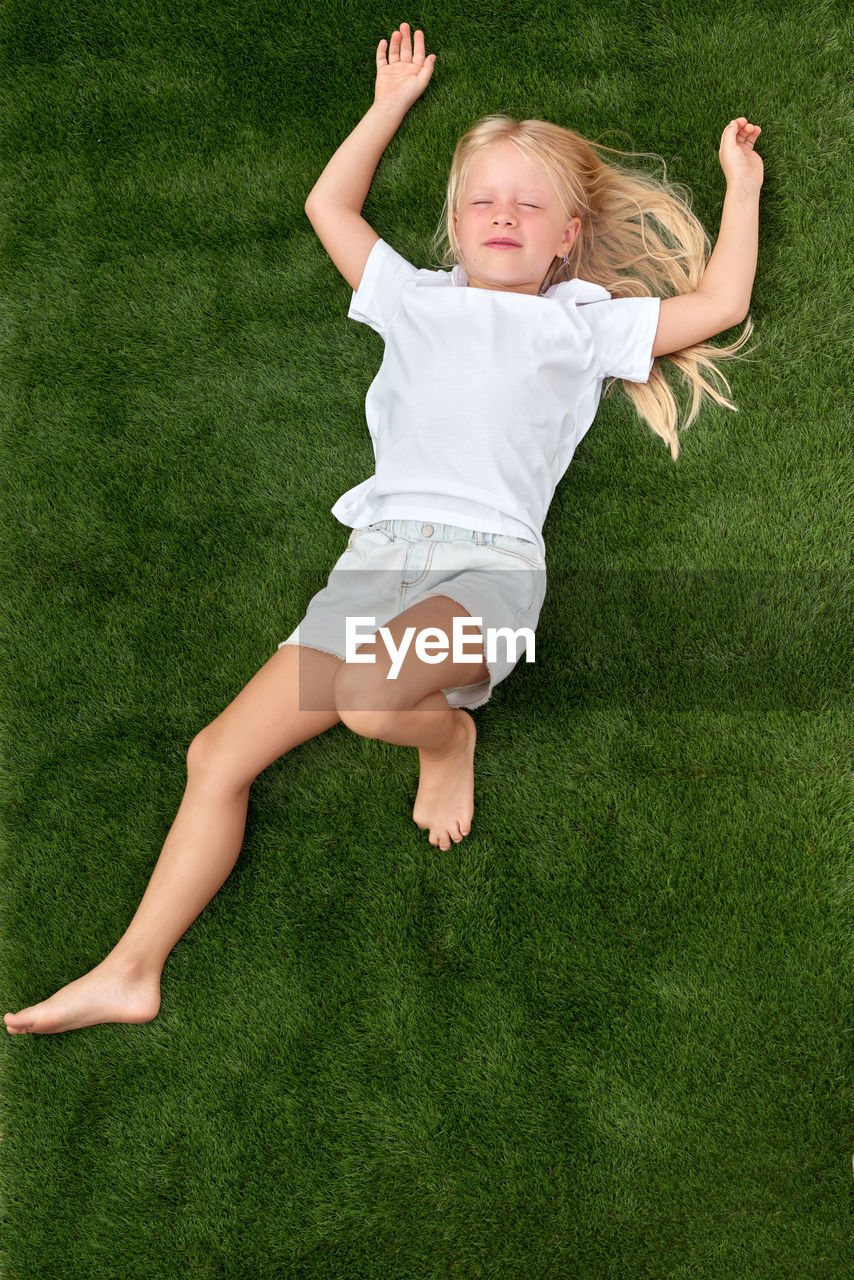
x,y
519,549
382,534
531,604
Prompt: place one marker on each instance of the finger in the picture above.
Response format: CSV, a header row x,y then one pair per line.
x,y
394,47
381,58
405,43
418,54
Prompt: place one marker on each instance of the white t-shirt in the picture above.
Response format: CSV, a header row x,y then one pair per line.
x,y
482,395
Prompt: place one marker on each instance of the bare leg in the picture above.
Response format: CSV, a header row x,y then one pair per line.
x,y
444,803
262,723
411,710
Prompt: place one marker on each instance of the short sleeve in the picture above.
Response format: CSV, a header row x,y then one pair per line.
x,y
378,295
623,332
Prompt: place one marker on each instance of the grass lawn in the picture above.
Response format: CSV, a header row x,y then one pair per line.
x,y
609,1034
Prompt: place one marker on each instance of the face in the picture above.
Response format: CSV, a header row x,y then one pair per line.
x,y
510,196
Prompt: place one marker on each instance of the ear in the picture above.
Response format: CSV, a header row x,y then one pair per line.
x,y
571,234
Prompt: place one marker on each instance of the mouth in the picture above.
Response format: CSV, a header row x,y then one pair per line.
x,y
503,243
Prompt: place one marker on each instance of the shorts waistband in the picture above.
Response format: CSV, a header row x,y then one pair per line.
x,y
413,530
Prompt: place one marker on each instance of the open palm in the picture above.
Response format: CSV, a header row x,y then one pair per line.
x,y
405,73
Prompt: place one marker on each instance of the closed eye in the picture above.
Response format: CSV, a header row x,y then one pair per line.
x,y
522,202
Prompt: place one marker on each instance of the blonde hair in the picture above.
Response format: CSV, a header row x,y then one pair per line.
x,y
639,238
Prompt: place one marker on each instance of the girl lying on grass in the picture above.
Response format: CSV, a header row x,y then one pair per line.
x,y
567,270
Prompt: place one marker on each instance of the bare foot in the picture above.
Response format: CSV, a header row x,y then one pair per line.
x,y
445,799
111,992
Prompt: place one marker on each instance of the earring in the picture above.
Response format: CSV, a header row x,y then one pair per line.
x,y
565,263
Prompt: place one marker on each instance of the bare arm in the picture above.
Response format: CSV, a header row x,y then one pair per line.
x,y
334,203
333,206
723,296
347,178
730,271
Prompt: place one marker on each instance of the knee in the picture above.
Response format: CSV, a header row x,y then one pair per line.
x,y
207,758
201,753
368,724
360,704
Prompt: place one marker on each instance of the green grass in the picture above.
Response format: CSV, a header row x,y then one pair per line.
x,y
608,1035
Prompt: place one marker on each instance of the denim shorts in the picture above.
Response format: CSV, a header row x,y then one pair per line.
x,y
494,576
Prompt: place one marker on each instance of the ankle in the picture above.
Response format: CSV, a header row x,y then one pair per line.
x,y
133,964
454,744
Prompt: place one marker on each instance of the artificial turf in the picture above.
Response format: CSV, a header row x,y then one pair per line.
x,y
608,1034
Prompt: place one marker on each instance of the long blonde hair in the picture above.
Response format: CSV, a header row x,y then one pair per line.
x,y
639,238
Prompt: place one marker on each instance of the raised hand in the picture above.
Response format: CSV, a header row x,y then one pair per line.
x,y
405,74
738,159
